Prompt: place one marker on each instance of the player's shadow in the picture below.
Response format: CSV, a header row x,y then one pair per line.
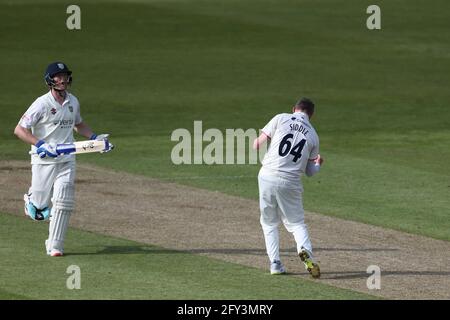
x,y
330,275
283,252
124,250
345,275
233,251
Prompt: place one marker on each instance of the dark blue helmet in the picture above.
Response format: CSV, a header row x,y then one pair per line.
x,y
53,69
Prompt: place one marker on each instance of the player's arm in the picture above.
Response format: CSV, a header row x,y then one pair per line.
x,y
267,132
29,119
23,130
25,135
43,149
84,130
260,140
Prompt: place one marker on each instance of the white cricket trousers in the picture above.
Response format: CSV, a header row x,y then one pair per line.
x,y
55,183
280,199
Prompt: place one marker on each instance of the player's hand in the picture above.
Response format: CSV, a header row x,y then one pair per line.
x,y
46,149
319,160
103,137
109,146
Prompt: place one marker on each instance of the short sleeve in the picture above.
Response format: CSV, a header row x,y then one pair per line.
x,y
271,127
314,151
78,118
32,115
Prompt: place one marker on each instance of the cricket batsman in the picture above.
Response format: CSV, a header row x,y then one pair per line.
x,y
49,121
293,152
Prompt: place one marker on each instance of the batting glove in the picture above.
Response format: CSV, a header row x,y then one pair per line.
x,y
104,137
46,149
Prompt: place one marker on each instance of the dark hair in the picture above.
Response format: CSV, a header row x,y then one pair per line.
x,y
306,105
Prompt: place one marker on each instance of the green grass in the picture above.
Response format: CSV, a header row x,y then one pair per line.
x,y
113,268
144,68
149,67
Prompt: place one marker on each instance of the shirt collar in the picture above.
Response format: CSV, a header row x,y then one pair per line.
x,y
303,114
66,99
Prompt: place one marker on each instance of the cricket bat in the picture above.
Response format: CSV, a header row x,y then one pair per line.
x,y
82,147
79,147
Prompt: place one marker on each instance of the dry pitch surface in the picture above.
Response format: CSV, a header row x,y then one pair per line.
x,y
227,228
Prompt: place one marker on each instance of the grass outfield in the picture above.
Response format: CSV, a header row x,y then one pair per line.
x,y
146,68
113,268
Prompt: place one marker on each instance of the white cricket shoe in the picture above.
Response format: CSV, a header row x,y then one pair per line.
x,y
55,253
52,252
276,267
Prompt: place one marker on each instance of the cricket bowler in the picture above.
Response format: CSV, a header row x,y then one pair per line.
x,y
49,121
293,152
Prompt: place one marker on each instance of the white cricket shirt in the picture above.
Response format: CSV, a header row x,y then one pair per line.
x,y
53,123
293,141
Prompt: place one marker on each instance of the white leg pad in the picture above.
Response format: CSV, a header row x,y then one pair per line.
x,y
63,205
57,230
